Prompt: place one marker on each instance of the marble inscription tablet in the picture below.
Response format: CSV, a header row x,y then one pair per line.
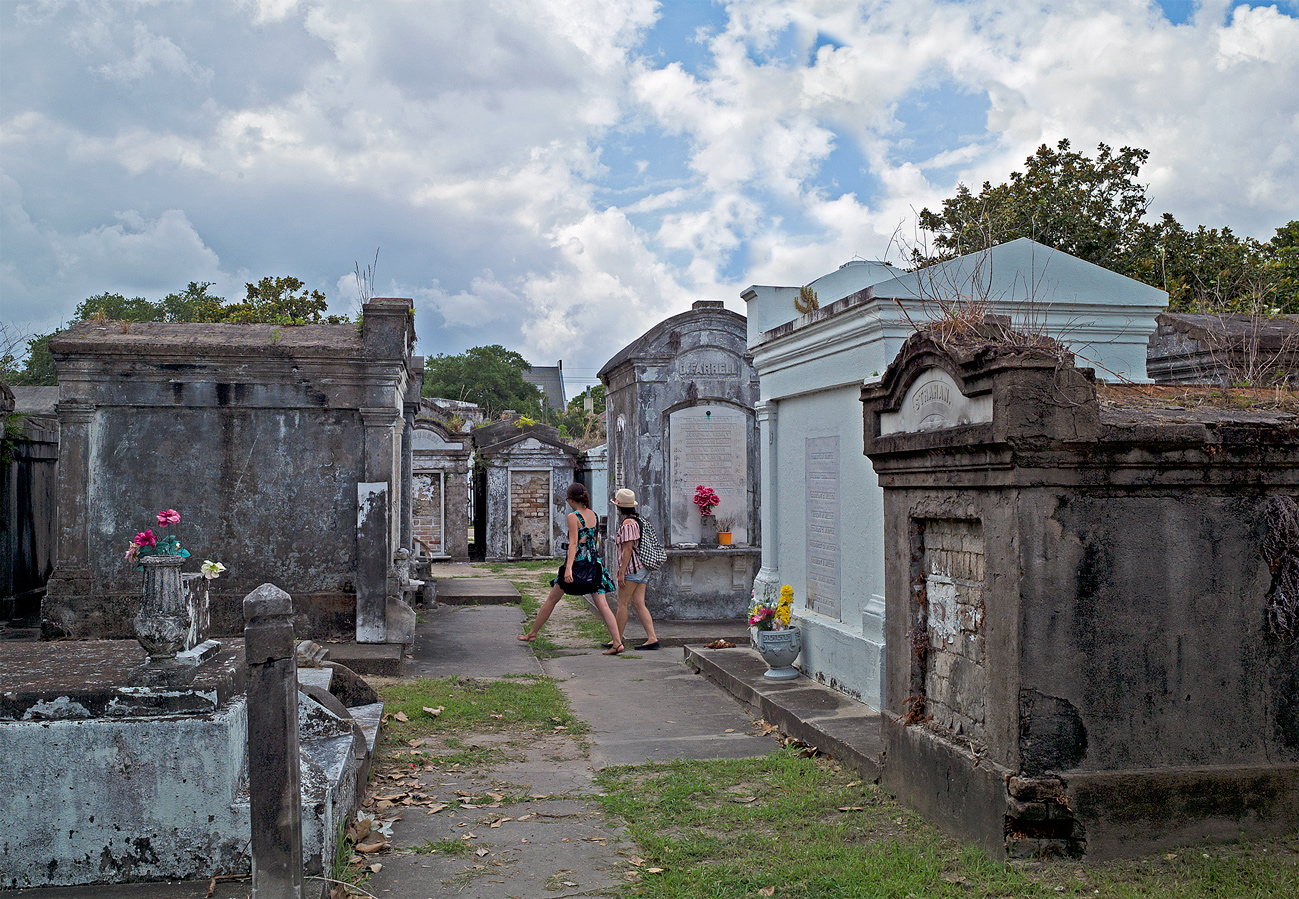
x,y
822,505
709,445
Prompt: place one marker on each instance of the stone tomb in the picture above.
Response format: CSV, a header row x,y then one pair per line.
x,y
440,490
1090,646
521,480
679,406
282,447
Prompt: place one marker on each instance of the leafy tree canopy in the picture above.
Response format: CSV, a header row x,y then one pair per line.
x,y
582,428
490,376
1094,208
282,301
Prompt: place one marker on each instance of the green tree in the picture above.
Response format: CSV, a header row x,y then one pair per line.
x,y
38,368
490,376
283,301
1094,209
584,428
193,304
1090,208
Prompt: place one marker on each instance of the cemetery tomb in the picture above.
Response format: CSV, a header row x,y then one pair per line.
x,y
1089,644
679,401
822,507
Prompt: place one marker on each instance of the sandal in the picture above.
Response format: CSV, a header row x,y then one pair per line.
x,y
648,647
526,639
614,650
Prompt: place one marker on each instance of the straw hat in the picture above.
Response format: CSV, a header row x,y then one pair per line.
x,y
624,498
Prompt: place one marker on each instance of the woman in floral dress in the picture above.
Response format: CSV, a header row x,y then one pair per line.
x,y
581,545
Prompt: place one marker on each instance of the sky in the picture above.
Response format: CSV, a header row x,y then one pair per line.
x,y
557,176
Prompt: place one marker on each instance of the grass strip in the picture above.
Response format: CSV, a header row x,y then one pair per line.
x,y
531,703
786,825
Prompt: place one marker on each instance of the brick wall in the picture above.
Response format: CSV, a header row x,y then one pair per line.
x,y
427,509
956,682
530,510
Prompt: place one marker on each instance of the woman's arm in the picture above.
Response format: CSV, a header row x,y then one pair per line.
x,y
624,562
572,546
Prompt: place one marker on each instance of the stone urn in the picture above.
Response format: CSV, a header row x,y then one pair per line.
x,y
707,530
778,649
163,622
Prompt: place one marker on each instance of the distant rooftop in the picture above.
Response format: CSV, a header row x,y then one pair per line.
x,y
551,381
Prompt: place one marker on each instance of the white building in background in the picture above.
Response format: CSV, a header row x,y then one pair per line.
x,y
821,504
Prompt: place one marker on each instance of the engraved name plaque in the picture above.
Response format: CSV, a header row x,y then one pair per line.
x,y
822,505
935,401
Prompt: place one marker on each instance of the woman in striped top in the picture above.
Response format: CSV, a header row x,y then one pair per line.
x,y
632,577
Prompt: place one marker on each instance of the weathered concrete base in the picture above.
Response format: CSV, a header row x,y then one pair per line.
x,y
1134,812
808,711
704,583
842,659
942,782
368,658
1104,815
103,783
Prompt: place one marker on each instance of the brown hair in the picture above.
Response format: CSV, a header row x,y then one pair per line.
x,y
578,493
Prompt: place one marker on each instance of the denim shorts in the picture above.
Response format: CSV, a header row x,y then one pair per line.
x,y
639,577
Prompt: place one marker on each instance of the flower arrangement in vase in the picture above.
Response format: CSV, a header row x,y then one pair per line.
x,y
775,639
724,526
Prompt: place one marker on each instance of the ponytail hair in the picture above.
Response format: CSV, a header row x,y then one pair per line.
x,y
578,493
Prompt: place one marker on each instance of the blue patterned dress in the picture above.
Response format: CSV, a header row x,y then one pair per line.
x,y
588,551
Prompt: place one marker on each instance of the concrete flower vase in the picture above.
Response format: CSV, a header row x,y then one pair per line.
x,y
778,649
163,621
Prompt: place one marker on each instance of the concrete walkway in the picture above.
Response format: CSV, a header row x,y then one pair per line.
x,y
550,838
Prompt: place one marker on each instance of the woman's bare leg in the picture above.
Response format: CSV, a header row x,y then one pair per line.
x,y
602,606
642,613
543,613
625,591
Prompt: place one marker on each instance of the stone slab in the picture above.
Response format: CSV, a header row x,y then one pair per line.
x,y
470,641
368,658
480,591
649,707
802,708
688,632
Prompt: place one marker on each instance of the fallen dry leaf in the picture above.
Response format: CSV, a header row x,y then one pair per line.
x,y
653,870
376,868
767,891
852,808
371,846
481,852
720,644
499,821
401,716
434,712
638,862
746,798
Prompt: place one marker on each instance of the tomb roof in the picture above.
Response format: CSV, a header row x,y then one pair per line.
x,y
656,341
167,338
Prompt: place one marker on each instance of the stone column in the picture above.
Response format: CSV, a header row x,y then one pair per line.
x,y
769,575
69,583
275,795
407,536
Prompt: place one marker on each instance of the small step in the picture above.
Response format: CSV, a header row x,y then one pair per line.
x,y
368,658
485,591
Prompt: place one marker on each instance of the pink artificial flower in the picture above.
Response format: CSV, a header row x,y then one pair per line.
x,y
132,553
146,538
168,516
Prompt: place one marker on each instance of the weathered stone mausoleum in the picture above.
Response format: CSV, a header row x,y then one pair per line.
x,y
521,477
440,489
822,528
1090,590
679,408
284,448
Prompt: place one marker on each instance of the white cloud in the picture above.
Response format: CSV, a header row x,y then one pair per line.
x,y
482,144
